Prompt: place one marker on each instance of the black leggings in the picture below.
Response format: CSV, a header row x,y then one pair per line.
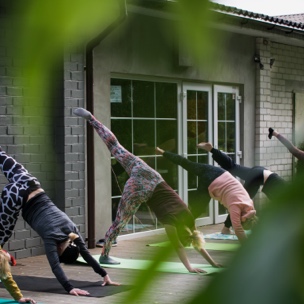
x,y
253,177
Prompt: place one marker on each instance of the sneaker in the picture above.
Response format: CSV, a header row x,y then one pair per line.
x,y
270,130
100,243
107,260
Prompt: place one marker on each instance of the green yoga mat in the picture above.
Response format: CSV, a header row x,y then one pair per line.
x,y
172,267
208,246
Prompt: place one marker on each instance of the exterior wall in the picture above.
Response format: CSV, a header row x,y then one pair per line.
x,y
145,47
74,181
275,95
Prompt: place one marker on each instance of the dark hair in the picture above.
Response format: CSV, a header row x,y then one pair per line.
x,y
69,255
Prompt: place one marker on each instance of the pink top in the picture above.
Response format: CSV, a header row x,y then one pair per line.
x,y
232,195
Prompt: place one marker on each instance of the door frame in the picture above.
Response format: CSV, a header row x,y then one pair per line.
x,y
220,218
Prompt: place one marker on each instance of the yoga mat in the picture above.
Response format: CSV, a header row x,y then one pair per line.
x,y
8,301
172,267
220,236
207,245
51,285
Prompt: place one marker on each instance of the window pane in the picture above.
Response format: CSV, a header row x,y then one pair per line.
x,y
168,171
144,137
143,99
166,100
226,106
226,136
202,130
202,105
230,102
191,138
121,101
221,106
123,131
191,104
167,135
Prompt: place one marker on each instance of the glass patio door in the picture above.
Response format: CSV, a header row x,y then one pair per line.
x,y
226,131
209,113
197,127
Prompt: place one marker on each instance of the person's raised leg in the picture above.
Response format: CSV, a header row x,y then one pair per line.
x,y
220,157
122,155
14,194
14,171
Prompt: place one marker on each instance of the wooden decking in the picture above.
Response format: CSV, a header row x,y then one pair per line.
x,y
166,288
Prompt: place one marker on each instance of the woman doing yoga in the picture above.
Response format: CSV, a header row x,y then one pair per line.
x,y
222,186
62,240
253,177
145,185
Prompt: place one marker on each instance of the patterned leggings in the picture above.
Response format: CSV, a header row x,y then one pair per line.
x,y
138,188
14,194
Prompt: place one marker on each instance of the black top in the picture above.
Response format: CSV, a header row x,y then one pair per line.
x,y
171,210
54,227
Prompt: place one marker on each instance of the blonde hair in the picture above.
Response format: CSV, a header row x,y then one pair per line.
x,y
5,267
197,240
250,222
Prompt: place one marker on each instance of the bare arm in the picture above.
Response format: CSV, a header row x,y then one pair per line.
x,y
204,253
179,248
297,153
235,215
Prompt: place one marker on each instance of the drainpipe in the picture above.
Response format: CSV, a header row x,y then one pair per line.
x,y
90,131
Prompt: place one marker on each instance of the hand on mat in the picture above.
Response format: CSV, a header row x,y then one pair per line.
x,y
197,270
217,265
79,292
108,281
27,300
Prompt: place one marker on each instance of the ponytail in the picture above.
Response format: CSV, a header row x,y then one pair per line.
x,y
5,268
197,240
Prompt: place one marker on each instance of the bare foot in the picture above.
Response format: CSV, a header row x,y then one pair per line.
x,y
205,146
226,230
159,151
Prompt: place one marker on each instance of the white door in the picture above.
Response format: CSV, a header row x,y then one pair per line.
x,y
197,127
226,131
209,113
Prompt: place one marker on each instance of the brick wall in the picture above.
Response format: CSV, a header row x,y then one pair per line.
x,y
44,136
275,87
74,145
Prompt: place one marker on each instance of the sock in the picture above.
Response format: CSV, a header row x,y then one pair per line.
x,y
270,130
82,113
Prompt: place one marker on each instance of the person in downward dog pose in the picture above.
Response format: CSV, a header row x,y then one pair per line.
x,y
296,152
62,240
253,177
222,186
145,185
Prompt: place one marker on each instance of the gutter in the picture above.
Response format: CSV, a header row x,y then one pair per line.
x,y
90,131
